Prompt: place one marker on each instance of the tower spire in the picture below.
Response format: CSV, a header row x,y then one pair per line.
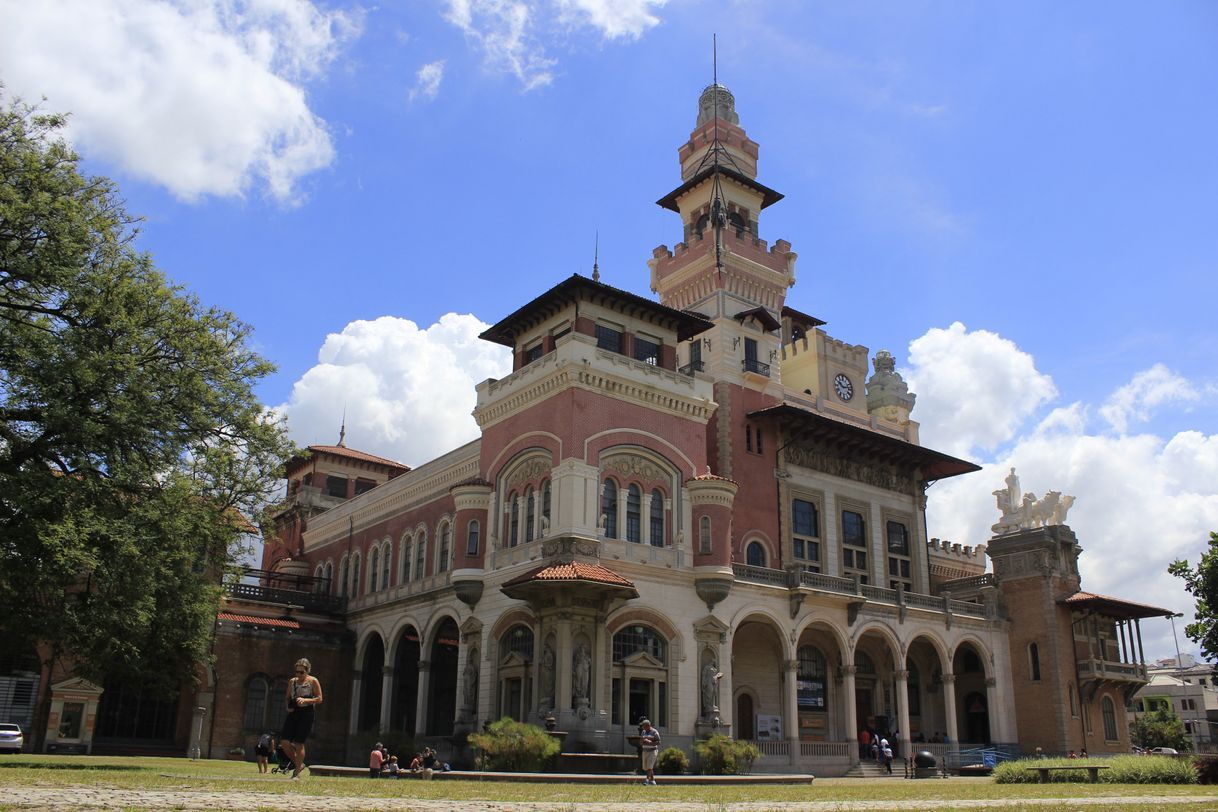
x,y
596,252
718,216
342,432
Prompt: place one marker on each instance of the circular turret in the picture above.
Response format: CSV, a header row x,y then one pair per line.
x,y
718,97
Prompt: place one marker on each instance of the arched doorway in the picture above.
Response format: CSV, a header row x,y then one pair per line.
x,y
745,718
442,696
927,712
976,718
968,664
758,673
405,682
372,667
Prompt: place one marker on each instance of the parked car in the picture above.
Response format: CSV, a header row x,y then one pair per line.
x,y
1164,751
11,738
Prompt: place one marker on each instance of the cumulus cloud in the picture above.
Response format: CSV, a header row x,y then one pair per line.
x,y
513,34
1142,500
408,392
1148,390
427,80
203,97
975,389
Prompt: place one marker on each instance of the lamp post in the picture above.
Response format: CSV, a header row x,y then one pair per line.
x,y
1179,668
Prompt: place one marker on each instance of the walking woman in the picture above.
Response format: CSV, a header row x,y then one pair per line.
x,y
304,691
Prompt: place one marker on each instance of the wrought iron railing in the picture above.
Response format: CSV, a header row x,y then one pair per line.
x,y
753,365
692,367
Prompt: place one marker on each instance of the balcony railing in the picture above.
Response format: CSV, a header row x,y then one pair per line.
x,y
761,575
1109,670
692,367
966,584
753,365
306,601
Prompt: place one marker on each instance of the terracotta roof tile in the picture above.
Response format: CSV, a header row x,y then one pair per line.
x,y
351,453
1114,604
572,571
259,621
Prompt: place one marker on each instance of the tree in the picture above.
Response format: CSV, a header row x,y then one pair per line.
x,y
1160,728
132,446
1202,584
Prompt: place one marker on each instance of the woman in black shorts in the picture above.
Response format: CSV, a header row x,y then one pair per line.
x,y
304,691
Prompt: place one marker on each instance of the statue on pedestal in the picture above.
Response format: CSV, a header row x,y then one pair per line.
x,y
710,689
582,673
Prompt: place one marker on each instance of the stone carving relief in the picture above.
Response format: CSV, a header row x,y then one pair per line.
x,y
581,674
632,465
533,469
1026,512
547,677
821,459
470,685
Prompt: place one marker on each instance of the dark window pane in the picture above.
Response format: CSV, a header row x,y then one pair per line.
x,y
898,539
853,529
804,520
608,339
648,351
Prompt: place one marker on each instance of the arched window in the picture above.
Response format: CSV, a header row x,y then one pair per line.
x,y
1108,709
634,500
657,518
640,683
386,559
517,640
374,568
609,508
545,500
514,522
515,672
704,534
754,555
329,576
530,519
355,562
255,702
633,639
420,556
445,544
343,569
318,578
1034,661
405,556
471,538
277,707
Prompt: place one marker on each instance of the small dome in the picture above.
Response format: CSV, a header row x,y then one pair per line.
x,y
717,95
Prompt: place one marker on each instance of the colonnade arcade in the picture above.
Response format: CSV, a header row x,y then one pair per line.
x,y
412,688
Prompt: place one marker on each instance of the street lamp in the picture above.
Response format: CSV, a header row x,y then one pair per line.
x,y
1179,668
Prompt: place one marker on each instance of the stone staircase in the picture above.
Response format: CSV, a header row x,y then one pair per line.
x,y
869,769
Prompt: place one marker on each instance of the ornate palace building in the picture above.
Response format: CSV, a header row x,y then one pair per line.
x,y
699,508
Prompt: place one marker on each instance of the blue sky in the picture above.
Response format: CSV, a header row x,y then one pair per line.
x,y
1044,174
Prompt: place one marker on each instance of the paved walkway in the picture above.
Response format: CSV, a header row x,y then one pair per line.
x,y
72,799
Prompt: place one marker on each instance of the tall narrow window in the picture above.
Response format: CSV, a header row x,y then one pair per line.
x,y
471,538
405,579
1108,709
1034,661
695,356
608,338
704,534
634,499
386,559
343,569
530,518
374,568
754,555
545,501
255,703
898,557
805,535
514,522
854,545
646,350
609,508
355,561
420,557
657,518
444,541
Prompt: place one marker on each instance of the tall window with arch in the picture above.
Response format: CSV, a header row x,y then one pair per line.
x,y
530,515
386,560
420,555
355,574
405,558
811,687
854,546
657,519
329,576
640,677
704,535
472,537
634,507
1034,661
899,562
609,508
374,568
1108,711
514,521
515,669
444,544
344,568
754,554
545,501
805,535
257,691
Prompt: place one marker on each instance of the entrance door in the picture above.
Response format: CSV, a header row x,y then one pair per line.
x,y
745,718
639,701
976,718
862,707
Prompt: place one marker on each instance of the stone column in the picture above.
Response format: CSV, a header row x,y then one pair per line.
x,y
621,512
852,722
602,665
420,714
521,527
357,681
903,708
563,662
791,709
645,518
991,702
386,698
949,706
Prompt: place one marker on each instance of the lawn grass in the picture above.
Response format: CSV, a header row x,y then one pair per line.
x,y
228,776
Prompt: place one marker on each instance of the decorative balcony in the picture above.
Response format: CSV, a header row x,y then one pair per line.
x,y
692,367
1110,671
755,366
289,591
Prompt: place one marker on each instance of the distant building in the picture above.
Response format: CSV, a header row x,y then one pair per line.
x,y
1190,691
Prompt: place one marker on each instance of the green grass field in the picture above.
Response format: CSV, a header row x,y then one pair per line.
x,y
240,777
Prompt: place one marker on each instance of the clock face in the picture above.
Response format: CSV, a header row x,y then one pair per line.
x,y
843,387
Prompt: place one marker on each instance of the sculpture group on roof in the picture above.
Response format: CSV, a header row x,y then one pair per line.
x,y
1025,511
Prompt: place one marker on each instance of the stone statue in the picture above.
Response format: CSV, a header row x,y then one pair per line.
x,y
582,672
1063,507
470,688
601,521
547,676
710,689
1026,512
545,526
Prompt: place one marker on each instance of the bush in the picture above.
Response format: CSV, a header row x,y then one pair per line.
x,y
723,755
513,747
1121,770
672,761
1207,769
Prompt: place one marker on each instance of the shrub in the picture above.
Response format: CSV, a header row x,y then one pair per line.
x,y
513,747
1121,770
1207,769
723,755
672,761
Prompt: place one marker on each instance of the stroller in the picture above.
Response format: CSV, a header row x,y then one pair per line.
x,y
283,764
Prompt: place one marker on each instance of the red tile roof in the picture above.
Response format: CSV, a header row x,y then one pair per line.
x,y
572,571
1113,606
351,453
259,621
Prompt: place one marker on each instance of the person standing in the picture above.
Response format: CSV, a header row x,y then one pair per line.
x,y
887,757
304,693
264,749
375,759
649,743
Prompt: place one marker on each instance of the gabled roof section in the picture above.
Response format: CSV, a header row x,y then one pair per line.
x,y
578,288
802,318
572,571
361,456
762,315
933,465
1113,607
768,196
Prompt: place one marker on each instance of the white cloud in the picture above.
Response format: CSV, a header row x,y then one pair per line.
x,y
1142,500
204,97
427,80
513,34
408,392
975,389
1149,389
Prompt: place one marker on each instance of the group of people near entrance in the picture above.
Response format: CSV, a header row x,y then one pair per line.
x,y
878,746
424,763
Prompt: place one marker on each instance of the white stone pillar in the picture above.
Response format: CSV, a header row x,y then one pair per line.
x,y
621,512
903,709
522,512
420,715
852,722
357,682
949,707
791,709
563,663
386,698
645,518
991,703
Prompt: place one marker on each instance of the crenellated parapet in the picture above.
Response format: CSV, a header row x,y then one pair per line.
x,y
949,561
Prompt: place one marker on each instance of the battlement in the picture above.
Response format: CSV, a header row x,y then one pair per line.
x,y
964,552
778,258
